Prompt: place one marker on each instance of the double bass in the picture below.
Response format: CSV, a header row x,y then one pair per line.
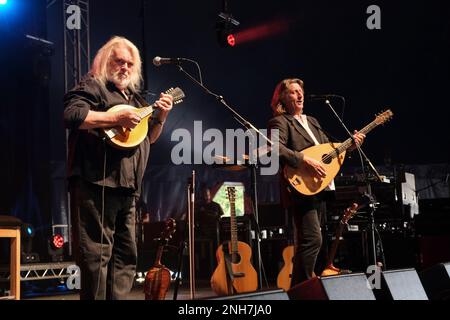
x,y
157,279
234,272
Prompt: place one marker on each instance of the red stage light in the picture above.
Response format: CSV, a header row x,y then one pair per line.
x,y
231,40
58,241
263,31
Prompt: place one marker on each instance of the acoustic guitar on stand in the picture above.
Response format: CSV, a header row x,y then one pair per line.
x,y
331,155
234,272
127,138
285,274
330,269
157,279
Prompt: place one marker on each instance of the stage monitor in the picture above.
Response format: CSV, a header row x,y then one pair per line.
x,y
221,198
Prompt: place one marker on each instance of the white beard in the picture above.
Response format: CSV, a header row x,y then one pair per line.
x,y
120,80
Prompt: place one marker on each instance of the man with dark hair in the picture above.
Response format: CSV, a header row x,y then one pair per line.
x,y
296,133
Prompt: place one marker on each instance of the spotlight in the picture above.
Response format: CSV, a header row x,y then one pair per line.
x,y
27,234
28,228
224,29
231,40
3,2
58,241
56,247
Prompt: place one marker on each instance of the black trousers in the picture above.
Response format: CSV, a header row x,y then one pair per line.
x,y
308,214
105,252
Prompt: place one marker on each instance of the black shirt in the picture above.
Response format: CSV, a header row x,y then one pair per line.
x,y
207,215
87,148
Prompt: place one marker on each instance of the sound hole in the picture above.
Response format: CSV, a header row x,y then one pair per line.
x,y
235,258
325,159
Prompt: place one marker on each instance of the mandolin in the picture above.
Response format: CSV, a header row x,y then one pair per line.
x,y
331,155
330,269
127,138
157,279
234,272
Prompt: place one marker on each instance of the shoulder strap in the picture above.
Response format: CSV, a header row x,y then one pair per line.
x,y
141,100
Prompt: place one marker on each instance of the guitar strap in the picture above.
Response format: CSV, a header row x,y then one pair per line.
x,y
227,258
141,100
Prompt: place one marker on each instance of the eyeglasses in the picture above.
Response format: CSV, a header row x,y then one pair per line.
x,y
121,62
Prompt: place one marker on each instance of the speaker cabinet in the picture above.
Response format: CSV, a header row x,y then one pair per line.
x,y
278,294
400,285
343,287
436,281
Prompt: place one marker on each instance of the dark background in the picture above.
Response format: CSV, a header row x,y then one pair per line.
x,y
404,66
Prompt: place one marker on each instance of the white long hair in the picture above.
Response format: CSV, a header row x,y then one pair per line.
x,y
99,67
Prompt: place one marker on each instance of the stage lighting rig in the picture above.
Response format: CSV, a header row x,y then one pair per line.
x,y
225,27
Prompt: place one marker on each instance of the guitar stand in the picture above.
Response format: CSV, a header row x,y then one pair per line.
x,y
229,270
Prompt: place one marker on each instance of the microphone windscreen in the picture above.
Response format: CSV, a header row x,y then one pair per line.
x,y
157,61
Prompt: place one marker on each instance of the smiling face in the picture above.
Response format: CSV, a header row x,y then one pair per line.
x,y
292,99
288,97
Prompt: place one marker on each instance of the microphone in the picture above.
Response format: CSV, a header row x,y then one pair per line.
x,y
158,61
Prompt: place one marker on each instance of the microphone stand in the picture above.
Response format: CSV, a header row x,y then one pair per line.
x,y
372,202
253,166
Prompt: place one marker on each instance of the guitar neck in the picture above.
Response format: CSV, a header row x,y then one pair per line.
x,y
146,111
335,244
159,255
233,227
348,143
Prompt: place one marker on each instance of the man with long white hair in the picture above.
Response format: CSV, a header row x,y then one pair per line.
x,y
105,181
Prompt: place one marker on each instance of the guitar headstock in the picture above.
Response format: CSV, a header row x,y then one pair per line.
x,y
384,117
231,193
177,95
349,212
169,230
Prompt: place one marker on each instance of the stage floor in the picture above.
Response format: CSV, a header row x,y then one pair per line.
x,y
203,291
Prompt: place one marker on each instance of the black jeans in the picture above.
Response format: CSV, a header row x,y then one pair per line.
x,y
307,214
113,243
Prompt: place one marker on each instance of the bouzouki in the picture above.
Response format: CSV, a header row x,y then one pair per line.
x,y
331,155
234,272
157,279
127,138
330,269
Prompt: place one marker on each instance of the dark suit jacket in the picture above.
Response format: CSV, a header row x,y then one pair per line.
x,y
293,139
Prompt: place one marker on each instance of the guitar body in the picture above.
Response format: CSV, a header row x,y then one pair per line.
x,y
220,281
157,279
301,179
330,269
331,155
157,283
285,274
126,138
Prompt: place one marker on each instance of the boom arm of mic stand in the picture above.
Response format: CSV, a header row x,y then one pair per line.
x,y
247,125
221,99
369,188
360,150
